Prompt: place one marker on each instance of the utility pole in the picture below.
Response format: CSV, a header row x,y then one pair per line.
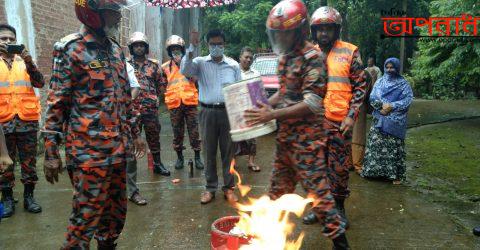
x,y
402,42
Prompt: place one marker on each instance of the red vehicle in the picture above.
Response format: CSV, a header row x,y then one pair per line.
x,y
266,64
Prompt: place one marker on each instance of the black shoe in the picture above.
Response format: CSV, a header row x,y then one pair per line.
x,y
340,243
29,202
310,219
179,164
198,161
476,231
160,169
106,245
8,203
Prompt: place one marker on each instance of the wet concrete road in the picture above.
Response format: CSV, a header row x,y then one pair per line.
x,y
382,216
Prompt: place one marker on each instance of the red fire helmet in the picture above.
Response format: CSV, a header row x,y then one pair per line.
x,y
88,11
287,15
326,15
287,25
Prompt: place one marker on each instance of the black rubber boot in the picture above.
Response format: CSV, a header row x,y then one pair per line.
x,y
8,202
158,167
340,205
29,202
180,160
476,231
198,161
341,243
106,245
310,219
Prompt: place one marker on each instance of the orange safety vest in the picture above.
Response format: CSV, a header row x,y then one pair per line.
x,y
17,96
180,89
339,89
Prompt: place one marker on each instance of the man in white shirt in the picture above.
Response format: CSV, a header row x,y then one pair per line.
x,y
132,79
214,72
132,188
248,147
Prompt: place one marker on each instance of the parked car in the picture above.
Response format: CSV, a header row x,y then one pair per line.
x,y
266,64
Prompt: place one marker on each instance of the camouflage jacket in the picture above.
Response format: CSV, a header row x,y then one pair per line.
x,y
152,82
303,78
89,101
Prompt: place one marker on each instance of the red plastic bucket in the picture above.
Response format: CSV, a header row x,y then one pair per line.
x,y
221,239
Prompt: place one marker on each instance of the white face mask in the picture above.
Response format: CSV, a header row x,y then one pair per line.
x,y
216,50
112,31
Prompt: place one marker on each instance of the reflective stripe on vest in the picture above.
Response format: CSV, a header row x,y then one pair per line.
x,y
17,96
339,89
22,83
341,79
180,89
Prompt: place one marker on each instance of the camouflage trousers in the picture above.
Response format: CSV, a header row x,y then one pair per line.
x,y
99,205
23,145
151,125
180,116
338,157
304,162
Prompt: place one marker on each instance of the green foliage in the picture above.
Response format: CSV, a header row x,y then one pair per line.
x,y
365,27
448,68
244,24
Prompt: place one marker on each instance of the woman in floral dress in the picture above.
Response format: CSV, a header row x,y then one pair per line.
x,y
391,98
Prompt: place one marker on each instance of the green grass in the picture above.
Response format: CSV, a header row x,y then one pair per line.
x,y
446,158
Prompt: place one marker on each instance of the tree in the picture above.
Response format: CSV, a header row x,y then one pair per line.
x,y
448,68
244,24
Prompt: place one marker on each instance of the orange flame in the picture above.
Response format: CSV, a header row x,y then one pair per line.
x,y
244,189
267,221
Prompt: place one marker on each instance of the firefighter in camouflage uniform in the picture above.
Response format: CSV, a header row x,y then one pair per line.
x,y
89,106
299,111
152,80
345,93
152,83
181,99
